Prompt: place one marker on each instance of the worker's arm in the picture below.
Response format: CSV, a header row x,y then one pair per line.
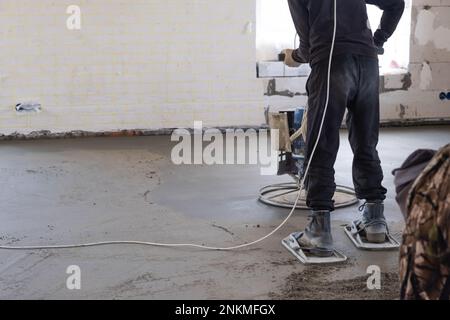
x,y
392,13
300,16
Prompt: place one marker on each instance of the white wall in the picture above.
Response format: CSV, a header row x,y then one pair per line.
x,y
429,65
151,64
135,64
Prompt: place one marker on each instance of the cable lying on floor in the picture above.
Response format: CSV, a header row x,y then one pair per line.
x,y
192,245
154,244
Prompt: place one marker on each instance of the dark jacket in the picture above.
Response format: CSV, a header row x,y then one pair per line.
x,y
314,22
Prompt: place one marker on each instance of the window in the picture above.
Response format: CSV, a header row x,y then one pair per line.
x,y
274,29
275,32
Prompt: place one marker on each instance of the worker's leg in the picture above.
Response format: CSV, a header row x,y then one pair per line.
x,y
363,123
317,238
320,182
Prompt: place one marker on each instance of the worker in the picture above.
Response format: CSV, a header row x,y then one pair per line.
x,y
355,87
423,193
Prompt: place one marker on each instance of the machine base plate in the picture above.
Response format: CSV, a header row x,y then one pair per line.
x,y
361,243
306,258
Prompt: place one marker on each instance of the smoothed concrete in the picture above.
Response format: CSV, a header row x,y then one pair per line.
x,y
96,189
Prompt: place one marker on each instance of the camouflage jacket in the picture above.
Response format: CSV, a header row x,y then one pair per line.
x,y
425,251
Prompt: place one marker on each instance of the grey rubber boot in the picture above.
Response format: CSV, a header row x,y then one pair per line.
x,y
317,238
374,222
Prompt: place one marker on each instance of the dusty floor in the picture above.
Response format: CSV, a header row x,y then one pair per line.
x,y
86,190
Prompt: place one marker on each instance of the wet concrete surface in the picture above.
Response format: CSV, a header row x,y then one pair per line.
x,y
97,189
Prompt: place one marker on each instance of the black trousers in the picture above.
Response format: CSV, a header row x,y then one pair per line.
x,y
355,88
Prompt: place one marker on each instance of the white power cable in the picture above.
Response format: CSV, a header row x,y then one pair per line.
x,y
192,245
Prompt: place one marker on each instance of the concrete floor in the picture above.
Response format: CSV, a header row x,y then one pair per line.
x,y
71,191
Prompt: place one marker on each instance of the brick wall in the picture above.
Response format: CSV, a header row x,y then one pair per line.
x,y
429,61
135,64
151,64
418,95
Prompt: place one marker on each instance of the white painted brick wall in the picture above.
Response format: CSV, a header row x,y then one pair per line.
x,y
134,64
150,64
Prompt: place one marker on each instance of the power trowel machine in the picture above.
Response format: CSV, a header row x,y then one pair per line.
x,y
292,129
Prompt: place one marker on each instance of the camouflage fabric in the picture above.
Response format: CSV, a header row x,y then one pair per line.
x,y
425,251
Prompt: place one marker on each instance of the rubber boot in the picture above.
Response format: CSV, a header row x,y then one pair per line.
x,y
317,238
374,222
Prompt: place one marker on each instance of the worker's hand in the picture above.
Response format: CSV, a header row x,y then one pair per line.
x,y
288,60
379,39
380,50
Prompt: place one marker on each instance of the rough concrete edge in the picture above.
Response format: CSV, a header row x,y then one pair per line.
x,y
414,122
46,134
